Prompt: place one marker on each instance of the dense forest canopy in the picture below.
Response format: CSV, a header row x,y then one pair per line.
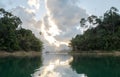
x,y
13,38
103,33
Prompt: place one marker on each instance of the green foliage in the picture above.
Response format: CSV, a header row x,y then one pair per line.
x,y
106,36
27,40
12,39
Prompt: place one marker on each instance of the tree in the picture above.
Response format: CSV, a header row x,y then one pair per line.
x,y
27,40
12,39
105,36
8,25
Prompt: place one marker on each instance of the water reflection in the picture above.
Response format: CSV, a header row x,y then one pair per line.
x,y
97,66
18,67
56,65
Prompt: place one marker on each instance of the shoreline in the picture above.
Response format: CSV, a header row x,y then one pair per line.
x,y
37,54
116,53
20,54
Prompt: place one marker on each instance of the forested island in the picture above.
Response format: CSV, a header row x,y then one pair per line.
x,y
103,33
15,38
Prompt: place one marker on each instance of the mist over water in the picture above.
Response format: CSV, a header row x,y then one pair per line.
x,y
56,65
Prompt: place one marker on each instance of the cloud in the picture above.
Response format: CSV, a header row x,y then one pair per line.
x,y
65,14
27,17
62,19
34,3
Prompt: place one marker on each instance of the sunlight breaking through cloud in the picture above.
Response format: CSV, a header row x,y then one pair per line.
x,y
59,23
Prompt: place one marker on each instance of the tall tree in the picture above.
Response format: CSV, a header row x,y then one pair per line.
x,y
8,25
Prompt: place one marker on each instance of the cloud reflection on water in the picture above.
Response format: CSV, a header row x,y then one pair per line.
x,y
56,65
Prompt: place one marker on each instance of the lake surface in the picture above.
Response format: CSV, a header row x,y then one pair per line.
x,y
18,67
60,65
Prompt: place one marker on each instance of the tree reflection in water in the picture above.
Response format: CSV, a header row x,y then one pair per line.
x,y
97,66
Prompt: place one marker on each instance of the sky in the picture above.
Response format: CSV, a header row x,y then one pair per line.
x,y
56,20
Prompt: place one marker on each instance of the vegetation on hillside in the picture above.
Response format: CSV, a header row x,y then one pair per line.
x,y
103,33
13,38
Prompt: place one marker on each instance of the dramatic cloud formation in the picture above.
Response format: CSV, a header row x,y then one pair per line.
x,y
60,23
63,13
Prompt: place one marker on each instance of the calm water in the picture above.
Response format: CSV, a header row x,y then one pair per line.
x,y
18,67
60,65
